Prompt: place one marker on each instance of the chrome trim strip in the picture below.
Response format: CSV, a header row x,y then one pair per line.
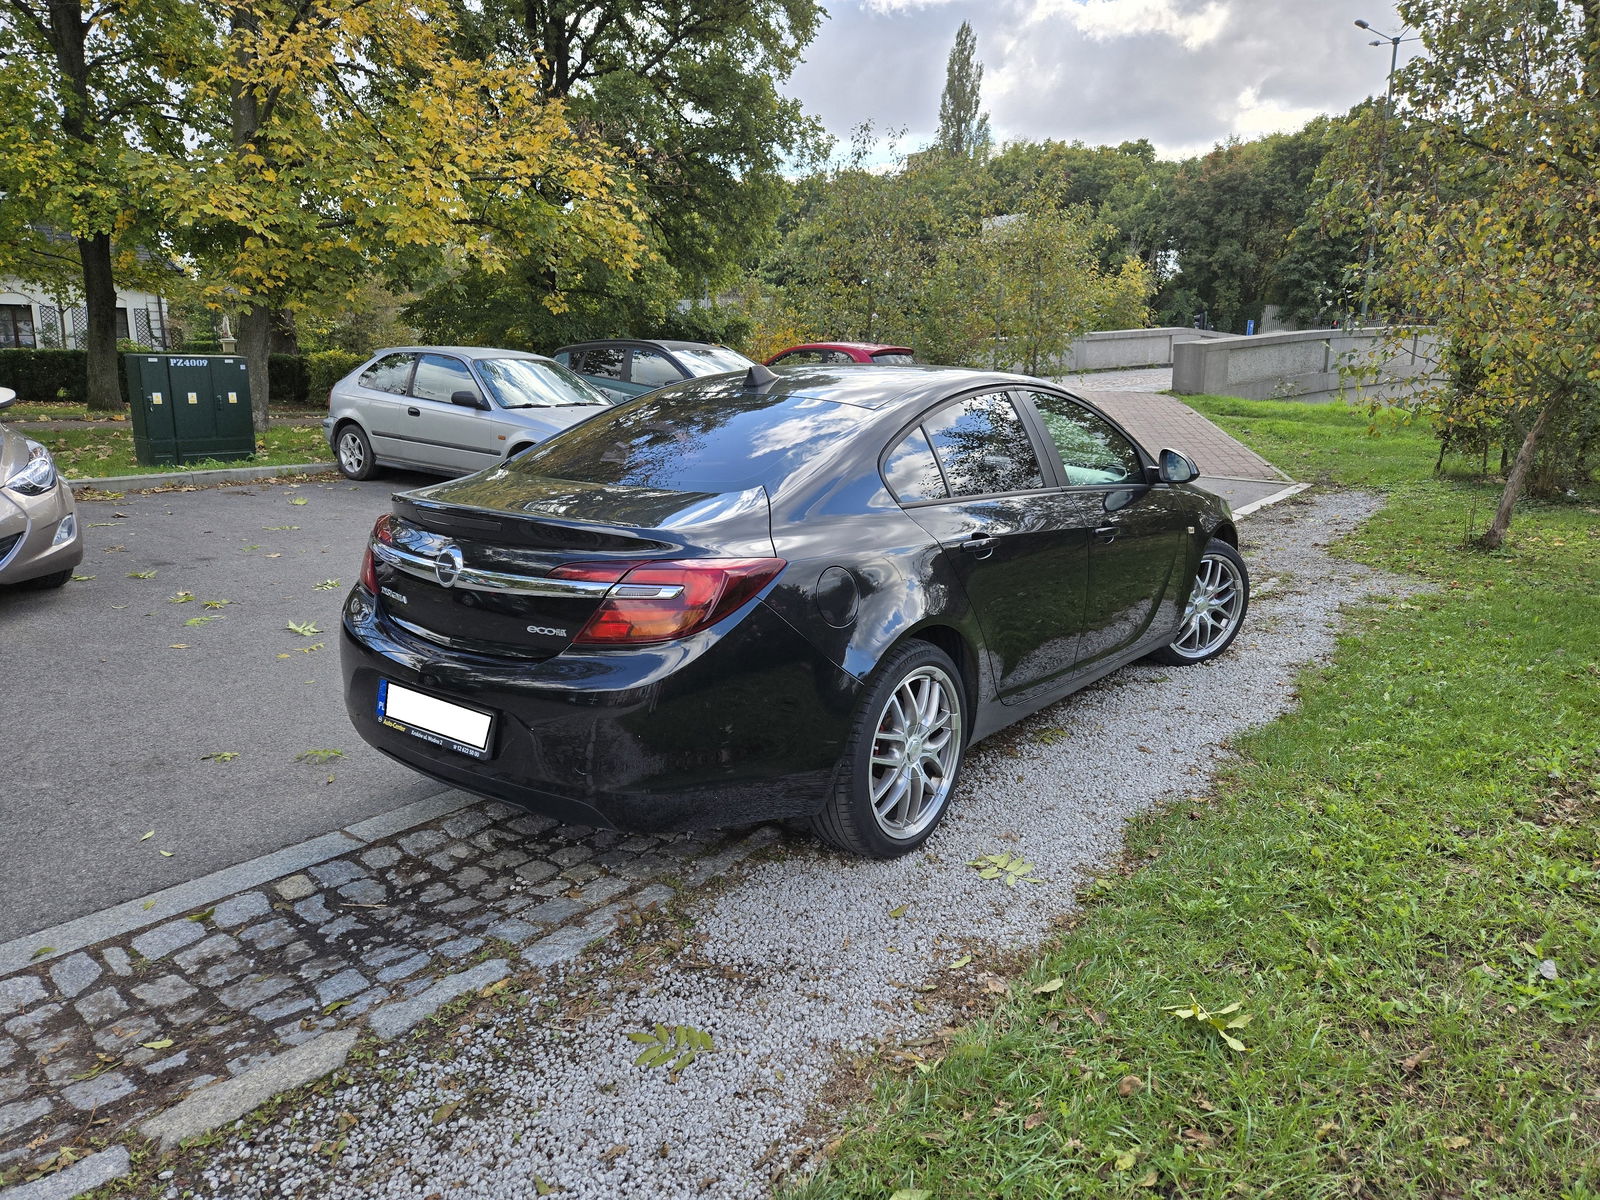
x,y
526,585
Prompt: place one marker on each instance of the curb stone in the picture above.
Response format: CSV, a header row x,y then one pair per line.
x,y
112,483
391,1020
82,1176
233,1098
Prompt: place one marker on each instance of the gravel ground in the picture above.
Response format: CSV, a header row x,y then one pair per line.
x,y
803,958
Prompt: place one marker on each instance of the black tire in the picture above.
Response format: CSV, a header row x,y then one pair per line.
x,y
1218,600
353,452
851,820
43,583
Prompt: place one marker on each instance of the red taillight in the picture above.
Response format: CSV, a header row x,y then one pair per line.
x,y
698,592
382,531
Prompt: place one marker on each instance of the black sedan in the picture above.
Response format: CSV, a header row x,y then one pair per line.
x,y
760,596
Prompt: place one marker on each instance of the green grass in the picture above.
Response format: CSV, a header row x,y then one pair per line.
x,y
103,451
1376,883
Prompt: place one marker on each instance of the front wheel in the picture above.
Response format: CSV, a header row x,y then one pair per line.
x,y
355,453
1215,610
893,784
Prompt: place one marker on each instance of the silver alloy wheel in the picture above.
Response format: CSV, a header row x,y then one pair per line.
x,y
915,751
352,452
1214,608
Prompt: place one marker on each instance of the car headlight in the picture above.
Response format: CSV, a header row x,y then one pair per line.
x,y
38,476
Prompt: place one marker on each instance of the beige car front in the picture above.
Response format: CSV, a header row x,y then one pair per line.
x,y
40,541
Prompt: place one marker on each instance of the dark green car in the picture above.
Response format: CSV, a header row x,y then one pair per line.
x,y
626,367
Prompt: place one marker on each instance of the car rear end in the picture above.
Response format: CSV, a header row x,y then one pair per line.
x,y
597,651
40,540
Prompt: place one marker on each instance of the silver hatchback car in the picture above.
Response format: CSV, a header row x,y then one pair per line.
x,y
40,541
451,409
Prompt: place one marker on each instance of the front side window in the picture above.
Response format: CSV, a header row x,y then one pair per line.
x,y
1092,452
439,378
604,361
983,446
653,370
391,373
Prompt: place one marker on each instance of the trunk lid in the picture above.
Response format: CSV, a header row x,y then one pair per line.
x,y
467,564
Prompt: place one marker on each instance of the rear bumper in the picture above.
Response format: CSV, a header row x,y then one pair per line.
x,y
29,527
741,723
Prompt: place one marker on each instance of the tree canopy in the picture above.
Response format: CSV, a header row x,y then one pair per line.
x,y
1490,231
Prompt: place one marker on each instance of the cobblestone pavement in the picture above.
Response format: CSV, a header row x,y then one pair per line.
x,y
99,1039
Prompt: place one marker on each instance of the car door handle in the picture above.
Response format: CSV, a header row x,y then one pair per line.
x,y
413,412
1105,534
981,546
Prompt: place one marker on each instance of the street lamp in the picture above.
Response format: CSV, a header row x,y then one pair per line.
x,y
1394,41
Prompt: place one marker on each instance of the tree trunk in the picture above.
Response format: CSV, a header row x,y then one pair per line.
x,y
100,304
255,336
1494,536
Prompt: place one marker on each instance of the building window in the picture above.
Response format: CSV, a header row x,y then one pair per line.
x,y
16,326
122,324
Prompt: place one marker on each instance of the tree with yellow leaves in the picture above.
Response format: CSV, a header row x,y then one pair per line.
x,y
1491,226
349,139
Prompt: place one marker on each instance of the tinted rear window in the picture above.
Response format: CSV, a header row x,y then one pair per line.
x,y
697,438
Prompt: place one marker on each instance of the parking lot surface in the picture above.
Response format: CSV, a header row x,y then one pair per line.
x,y
166,694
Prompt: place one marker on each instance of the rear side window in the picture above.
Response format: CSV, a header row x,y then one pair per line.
x,y
391,373
1092,452
983,447
604,361
799,358
653,370
911,472
438,378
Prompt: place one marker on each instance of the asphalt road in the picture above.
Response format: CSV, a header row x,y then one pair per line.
x,y
111,701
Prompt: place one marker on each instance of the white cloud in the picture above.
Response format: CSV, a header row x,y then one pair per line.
x,y
1104,20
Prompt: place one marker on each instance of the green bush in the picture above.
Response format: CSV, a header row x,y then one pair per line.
x,y
46,376
324,368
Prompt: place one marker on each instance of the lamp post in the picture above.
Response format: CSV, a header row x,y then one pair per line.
x,y
1394,41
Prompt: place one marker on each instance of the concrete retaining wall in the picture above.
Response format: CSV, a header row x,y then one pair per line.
x,y
1114,348
1315,365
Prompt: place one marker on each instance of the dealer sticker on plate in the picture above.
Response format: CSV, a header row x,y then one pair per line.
x,y
453,726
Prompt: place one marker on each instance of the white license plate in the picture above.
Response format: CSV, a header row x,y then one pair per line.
x,y
453,726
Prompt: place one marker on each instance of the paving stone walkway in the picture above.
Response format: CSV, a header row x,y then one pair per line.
x,y
102,1038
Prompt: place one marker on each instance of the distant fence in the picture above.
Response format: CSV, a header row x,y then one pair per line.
x,y
1114,348
1314,365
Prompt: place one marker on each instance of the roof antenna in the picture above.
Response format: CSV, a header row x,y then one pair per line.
x,y
758,378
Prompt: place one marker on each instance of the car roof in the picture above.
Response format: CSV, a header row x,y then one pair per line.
x,y
472,352
869,347
875,388
661,343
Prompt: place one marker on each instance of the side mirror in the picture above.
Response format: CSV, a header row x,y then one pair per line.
x,y
7,397
468,399
1173,467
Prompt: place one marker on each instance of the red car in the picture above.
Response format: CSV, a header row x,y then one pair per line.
x,y
813,353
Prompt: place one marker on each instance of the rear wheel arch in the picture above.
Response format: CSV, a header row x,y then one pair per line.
x,y
954,644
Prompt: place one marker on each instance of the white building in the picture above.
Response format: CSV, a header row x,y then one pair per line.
x,y
30,318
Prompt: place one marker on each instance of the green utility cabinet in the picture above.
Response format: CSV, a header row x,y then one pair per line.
x,y
189,407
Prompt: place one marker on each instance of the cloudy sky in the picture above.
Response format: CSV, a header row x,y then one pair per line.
x,y
1184,73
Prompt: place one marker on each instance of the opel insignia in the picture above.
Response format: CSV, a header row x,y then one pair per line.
x,y
767,595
